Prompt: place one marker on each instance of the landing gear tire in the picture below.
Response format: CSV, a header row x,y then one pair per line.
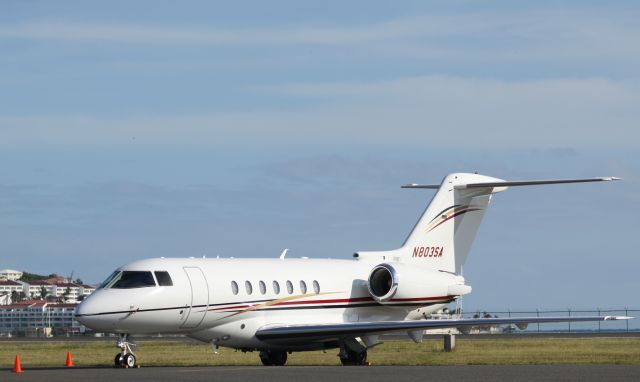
x,y
119,361
354,358
130,361
273,358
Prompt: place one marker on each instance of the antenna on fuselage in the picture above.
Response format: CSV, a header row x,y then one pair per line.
x,y
284,253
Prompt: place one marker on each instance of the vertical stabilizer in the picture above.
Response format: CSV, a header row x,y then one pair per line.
x,y
442,237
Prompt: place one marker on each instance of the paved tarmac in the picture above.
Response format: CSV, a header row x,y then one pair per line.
x,y
523,373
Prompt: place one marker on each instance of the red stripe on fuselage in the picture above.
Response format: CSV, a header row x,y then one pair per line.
x,y
334,301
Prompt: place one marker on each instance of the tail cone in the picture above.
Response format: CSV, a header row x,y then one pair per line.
x,y
17,368
69,362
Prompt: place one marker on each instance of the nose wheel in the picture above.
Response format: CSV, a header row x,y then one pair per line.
x,y
126,358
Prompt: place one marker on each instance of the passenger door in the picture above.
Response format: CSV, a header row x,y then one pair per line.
x,y
199,298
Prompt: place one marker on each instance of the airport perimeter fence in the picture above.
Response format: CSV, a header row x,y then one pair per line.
x,y
632,325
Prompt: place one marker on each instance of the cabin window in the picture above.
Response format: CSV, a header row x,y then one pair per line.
x,y
303,287
163,278
248,287
263,287
276,287
234,287
316,286
131,279
289,287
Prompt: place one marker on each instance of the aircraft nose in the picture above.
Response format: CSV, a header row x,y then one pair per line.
x,y
86,312
81,312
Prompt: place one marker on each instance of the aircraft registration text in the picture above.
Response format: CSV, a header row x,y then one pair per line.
x,y
428,251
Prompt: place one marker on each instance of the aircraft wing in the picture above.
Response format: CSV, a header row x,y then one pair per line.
x,y
332,332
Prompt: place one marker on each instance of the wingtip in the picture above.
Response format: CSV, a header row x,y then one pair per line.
x,y
615,318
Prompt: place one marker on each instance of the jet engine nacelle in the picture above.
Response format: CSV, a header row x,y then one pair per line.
x,y
396,282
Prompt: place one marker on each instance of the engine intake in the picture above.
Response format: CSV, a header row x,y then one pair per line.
x,y
383,282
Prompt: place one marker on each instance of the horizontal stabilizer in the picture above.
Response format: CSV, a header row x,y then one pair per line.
x,y
415,185
534,182
513,183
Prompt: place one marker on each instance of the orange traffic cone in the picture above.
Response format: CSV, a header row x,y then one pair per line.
x,y
69,362
16,365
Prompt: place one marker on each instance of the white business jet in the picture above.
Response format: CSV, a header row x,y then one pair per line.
x,y
278,306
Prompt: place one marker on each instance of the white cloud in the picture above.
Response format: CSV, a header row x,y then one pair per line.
x,y
436,110
554,34
129,33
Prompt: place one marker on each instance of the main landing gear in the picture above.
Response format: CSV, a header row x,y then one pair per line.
x,y
353,352
353,358
125,358
273,357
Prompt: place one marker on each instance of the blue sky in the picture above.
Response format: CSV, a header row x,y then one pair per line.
x,y
132,130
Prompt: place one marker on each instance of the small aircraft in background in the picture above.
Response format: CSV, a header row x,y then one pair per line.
x,y
278,306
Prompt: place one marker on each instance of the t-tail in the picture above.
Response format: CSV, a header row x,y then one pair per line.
x,y
442,237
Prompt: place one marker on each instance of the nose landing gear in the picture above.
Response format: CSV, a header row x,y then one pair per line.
x,y
126,358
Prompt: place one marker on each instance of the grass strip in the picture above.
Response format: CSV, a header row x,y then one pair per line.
x,y
510,351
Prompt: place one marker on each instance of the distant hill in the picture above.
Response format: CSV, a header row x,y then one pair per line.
x,y
26,276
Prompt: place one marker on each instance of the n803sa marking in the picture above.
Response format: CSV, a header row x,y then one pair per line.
x,y
428,251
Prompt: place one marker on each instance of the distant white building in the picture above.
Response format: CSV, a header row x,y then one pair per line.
x,y
72,293
33,318
51,289
36,287
69,291
10,274
86,290
6,288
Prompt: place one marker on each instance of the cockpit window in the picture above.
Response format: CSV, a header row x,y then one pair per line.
x,y
130,279
163,278
109,279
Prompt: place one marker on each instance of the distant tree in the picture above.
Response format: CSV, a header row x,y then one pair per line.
x,y
81,297
66,294
43,293
14,296
78,281
26,276
22,296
